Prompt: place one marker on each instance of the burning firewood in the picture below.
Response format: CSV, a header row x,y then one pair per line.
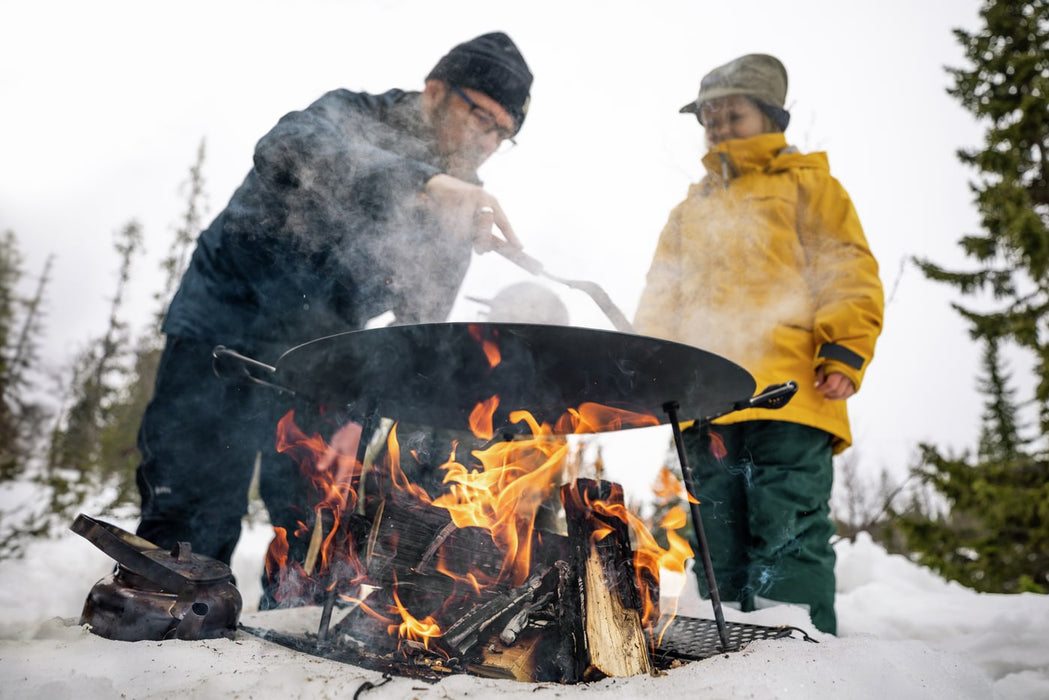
x,y
471,578
489,618
609,637
407,542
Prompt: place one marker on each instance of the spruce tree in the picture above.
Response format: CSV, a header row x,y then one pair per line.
x,y
23,412
10,272
118,441
993,537
1007,87
992,534
22,415
76,456
174,264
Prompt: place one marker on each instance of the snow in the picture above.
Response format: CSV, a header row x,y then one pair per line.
x,y
903,633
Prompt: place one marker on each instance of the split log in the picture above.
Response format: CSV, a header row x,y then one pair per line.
x,y
405,543
434,567
421,546
520,662
577,618
608,638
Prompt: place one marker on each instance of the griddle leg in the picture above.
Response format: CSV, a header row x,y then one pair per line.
x,y
322,630
697,524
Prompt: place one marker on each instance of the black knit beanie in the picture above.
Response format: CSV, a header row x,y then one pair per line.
x,y
490,64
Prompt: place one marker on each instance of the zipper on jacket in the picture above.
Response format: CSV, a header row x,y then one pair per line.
x,y
728,171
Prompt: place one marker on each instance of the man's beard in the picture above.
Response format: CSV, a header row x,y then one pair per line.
x,y
464,161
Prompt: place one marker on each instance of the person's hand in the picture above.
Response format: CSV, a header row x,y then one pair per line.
x,y
835,386
469,211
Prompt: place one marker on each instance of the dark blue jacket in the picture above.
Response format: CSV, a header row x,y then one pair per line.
x,y
325,232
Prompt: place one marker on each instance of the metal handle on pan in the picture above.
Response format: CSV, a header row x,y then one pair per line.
x,y
230,364
592,289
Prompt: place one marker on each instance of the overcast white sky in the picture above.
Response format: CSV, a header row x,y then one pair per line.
x,y
104,103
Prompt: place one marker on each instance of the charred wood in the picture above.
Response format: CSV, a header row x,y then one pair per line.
x,y
610,629
411,542
492,616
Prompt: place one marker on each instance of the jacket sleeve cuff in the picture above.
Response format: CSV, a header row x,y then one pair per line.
x,y
840,353
838,358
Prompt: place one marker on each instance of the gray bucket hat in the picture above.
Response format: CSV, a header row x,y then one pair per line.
x,y
757,75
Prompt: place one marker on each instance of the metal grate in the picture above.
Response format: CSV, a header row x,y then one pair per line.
x,y
684,639
693,639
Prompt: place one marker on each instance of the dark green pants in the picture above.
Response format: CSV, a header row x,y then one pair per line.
x,y
766,514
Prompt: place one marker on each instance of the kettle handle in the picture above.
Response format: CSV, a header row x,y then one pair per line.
x,y
128,550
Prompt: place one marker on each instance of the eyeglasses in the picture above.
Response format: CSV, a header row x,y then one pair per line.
x,y
487,122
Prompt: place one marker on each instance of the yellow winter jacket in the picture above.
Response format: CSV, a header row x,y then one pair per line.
x,y
765,263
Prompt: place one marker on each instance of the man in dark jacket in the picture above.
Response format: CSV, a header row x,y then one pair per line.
x,y
357,206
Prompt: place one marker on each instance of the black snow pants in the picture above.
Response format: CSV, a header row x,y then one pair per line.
x,y
199,438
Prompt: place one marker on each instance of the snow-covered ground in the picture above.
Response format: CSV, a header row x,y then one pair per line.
x,y
904,633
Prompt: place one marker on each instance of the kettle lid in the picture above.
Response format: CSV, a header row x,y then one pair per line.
x,y
173,570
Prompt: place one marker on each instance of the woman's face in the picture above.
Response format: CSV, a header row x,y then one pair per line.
x,y
734,117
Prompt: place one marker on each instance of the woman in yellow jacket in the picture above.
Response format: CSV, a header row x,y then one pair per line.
x,y
765,263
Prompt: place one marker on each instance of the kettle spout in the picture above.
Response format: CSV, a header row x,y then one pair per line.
x,y
192,622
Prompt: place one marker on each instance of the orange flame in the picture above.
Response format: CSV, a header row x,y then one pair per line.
x,y
481,418
717,446
501,491
504,496
488,346
597,418
649,556
401,487
666,488
333,471
410,627
470,579
277,553
678,550
517,476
